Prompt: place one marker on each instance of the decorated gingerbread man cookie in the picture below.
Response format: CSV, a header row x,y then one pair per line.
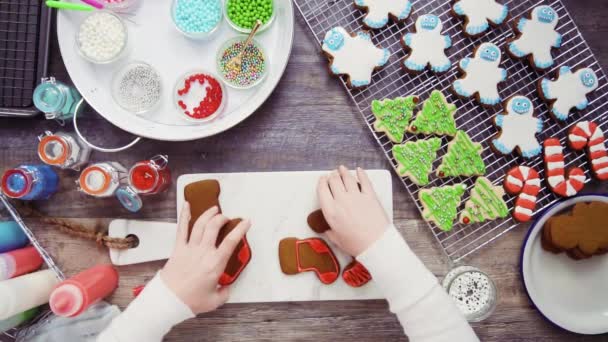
x,y
354,56
482,74
568,91
479,14
427,46
518,127
379,11
536,37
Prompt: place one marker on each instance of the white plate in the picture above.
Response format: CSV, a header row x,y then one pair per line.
x,y
154,39
571,294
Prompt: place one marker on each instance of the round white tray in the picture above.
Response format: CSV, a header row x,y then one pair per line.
x,y
154,39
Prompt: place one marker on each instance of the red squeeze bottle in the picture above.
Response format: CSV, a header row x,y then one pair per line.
x,y
19,262
73,296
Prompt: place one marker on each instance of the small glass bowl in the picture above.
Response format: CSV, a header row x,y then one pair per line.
x,y
116,92
263,28
180,83
469,301
220,53
123,6
195,35
118,54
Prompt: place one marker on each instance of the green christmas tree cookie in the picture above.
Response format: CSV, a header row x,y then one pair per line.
x,y
415,159
441,204
436,117
393,116
486,203
463,158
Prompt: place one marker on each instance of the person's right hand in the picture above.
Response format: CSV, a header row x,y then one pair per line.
x,y
356,217
194,268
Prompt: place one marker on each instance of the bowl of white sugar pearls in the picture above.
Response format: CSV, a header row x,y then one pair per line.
x,y
102,37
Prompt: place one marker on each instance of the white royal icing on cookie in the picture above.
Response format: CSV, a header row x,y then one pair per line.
x,y
427,46
569,90
479,14
518,128
378,11
537,37
355,56
482,75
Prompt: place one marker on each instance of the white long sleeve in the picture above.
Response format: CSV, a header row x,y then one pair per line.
x,y
424,309
149,317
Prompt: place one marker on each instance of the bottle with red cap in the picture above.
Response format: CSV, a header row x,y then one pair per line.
x,y
30,182
151,176
73,296
19,262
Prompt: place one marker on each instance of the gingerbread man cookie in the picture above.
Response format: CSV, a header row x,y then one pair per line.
x,y
536,37
427,46
482,74
568,91
354,56
518,128
379,11
479,14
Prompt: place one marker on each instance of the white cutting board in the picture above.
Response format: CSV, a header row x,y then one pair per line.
x,y
278,203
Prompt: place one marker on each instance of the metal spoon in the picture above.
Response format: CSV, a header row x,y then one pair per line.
x,y
237,61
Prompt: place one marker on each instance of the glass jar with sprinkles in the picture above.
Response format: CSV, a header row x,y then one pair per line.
x,y
102,179
197,19
120,5
199,95
242,14
137,87
473,291
102,37
254,66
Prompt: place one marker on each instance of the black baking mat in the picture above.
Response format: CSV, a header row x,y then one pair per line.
x,y
24,33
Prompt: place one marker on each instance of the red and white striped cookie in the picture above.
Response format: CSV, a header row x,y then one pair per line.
x,y
588,134
555,172
524,182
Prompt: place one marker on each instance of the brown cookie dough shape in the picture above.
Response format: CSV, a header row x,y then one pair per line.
x,y
314,254
201,195
240,257
316,222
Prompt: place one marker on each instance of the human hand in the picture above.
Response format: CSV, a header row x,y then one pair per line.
x,y
355,215
194,268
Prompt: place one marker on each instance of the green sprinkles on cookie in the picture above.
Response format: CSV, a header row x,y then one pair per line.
x,y
393,116
486,203
441,204
463,158
244,13
415,159
436,117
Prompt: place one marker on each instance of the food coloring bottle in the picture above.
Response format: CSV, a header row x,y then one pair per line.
x,y
102,179
26,292
63,150
56,99
19,262
30,182
12,236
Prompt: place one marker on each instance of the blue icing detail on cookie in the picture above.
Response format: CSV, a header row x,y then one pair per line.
x,y
406,11
516,51
564,70
429,22
559,115
334,39
458,8
589,79
464,63
500,147
475,30
335,70
413,66
503,75
490,101
459,90
531,152
499,120
558,41
521,24
543,64
359,83
448,41
544,85
375,24
491,53
407,39
441,68
361,3
503,15
385,57
539,125
546,14
521,105
582,105
364,35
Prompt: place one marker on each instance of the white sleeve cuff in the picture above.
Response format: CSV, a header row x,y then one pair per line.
x,y
150,316
397,271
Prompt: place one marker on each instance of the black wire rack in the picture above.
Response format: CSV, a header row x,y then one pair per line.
x,y
391,81
24,39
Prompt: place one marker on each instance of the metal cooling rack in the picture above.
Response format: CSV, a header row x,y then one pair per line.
x,y
391,81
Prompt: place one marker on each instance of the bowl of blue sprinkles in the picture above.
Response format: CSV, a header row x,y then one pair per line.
x,y
197,19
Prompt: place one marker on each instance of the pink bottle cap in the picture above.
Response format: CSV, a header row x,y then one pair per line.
x,y
66,300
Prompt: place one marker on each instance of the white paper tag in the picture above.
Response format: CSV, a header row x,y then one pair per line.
x,y
156,241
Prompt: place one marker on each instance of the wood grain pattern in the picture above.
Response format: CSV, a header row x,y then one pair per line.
x,y
308,124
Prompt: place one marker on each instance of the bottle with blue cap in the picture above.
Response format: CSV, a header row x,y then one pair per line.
x,y
12,237
30,182
56,99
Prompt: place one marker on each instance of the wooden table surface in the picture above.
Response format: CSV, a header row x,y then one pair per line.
x,y
308,124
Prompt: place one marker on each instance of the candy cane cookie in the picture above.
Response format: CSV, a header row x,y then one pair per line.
x,y
588,134
524,182
555,172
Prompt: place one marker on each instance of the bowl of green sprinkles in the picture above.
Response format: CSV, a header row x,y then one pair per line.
x,y
242,14
254,66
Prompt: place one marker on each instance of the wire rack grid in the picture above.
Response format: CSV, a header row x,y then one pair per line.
x,y
392,81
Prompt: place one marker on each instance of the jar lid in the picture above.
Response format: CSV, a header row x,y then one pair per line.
x,y
48,97
129,199
53,150
16,183
94,180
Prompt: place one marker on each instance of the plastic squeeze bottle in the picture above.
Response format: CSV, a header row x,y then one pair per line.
x,y
26,292
19,262
75,295
16,320
11,236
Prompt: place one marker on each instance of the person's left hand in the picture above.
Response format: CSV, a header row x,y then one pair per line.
x,y
194,268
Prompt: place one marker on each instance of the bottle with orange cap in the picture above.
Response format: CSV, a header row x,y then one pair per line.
x,y
102,179
63,150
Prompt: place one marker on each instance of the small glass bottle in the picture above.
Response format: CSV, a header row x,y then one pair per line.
x,y
102,179
151,176
30,182
473,292
63,150
56,99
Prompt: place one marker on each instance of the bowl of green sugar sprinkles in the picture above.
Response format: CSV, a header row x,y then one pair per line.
x,y
242,14
197,19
